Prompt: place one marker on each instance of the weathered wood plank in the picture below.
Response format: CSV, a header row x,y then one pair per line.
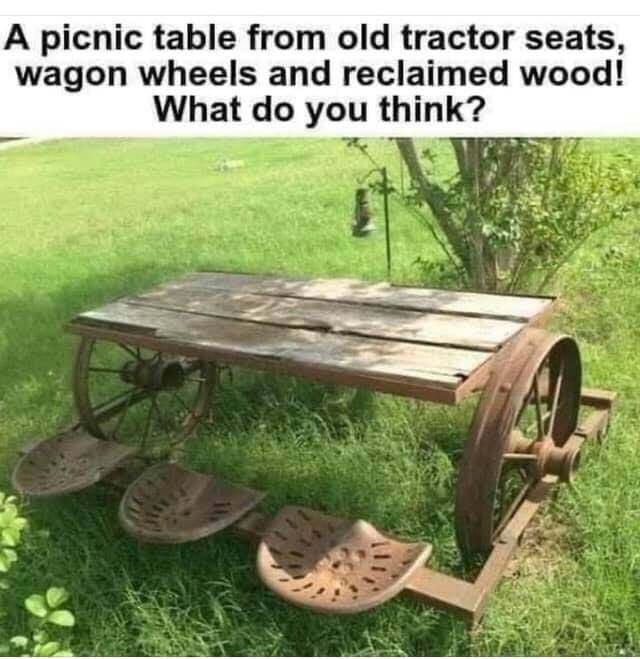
x,y
231,340
423,390
353,291
371,321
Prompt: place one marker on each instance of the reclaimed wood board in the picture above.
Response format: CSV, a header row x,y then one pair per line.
x,y
371,321
343,359
352,291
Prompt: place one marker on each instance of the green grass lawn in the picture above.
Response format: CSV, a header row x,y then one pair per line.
x,y
83,222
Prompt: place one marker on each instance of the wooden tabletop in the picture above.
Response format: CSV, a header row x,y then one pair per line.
x,y
430,344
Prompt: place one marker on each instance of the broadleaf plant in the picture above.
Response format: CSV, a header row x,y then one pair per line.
x,y
44,609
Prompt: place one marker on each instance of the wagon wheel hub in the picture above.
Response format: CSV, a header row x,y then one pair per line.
x,y
155,374
544,456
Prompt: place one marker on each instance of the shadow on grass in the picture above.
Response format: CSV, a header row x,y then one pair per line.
x,y
34,327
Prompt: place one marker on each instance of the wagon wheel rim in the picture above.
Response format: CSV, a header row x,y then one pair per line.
x,y
130,394
531,400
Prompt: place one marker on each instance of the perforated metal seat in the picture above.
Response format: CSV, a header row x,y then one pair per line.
x,y
334,565
169,504
67,463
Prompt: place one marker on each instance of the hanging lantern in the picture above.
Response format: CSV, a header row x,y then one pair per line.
x,y
362,218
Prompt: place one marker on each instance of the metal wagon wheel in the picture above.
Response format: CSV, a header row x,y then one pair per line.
x,y
527,412
123,392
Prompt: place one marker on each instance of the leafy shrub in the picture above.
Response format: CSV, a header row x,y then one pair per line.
x,y
535,222
45,612
516,209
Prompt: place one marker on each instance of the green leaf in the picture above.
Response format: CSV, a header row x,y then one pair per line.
x,y
7,516
4,584
4,563
10,555
48,649
56,597
64,653
19,641
40,637
5,649
63,618
10,537
37,606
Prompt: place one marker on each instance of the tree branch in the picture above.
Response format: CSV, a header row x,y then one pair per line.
x,y
434,196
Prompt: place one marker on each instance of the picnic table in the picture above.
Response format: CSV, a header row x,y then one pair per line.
x,y
164,349
430,344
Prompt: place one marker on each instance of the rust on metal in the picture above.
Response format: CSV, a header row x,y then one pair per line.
x,y
334,565
502,459
66,463
169,504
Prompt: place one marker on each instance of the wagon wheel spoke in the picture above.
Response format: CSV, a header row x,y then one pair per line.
x,y
538,404
184,406
507,511
129,351
159,414
123,413
118,398
96,369
147,426
556,399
